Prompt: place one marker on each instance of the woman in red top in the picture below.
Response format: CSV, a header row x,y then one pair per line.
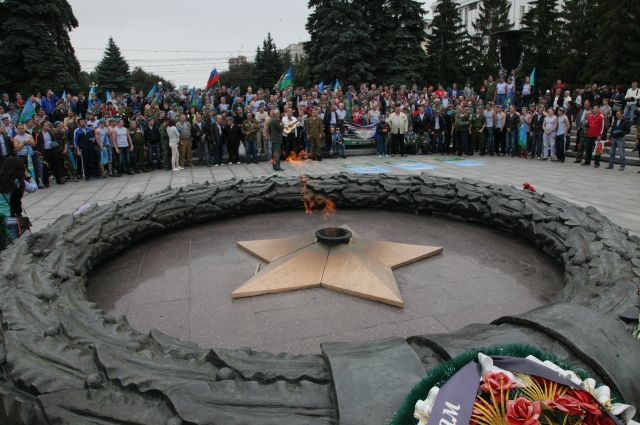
x,y
595,127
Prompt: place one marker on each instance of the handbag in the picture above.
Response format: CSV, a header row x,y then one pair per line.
x,y
20,223
241,150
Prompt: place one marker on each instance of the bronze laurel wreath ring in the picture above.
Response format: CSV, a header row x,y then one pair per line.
x,y
63,361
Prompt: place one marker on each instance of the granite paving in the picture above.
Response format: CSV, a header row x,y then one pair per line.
x,y
181,283
615,193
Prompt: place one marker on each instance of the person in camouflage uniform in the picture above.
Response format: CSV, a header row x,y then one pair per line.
x,y
315,131
461,129
250,129
164,143
138,154
477,129
491,90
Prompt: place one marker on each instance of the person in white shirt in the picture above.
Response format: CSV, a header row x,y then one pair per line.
x,y
399,126
632,97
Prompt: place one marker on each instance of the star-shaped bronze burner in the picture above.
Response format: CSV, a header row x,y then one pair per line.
x,y
334,259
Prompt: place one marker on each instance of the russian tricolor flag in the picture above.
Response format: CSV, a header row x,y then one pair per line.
x,y
213,79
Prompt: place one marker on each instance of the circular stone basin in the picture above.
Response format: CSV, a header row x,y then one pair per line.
x,y
333,236
181,283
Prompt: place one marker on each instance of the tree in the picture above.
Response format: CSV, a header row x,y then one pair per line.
x,y
579,28
301,72
35,49
285,59
241,75
614,58
493,16
400,57
341,45
542,50
268,64
141,79
447,54
112,73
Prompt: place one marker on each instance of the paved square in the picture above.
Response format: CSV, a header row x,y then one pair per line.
x,y
614,193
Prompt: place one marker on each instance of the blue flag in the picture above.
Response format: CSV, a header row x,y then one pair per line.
x,y
321,87
92,90
336,86
532,77
153,91
27,112
108,95
64,95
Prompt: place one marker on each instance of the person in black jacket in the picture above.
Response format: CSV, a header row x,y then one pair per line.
x,y
6,145
620,128
81,106
233,136
152,140
421,128
438,127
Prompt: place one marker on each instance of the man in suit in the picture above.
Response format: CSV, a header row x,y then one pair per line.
x,y
421,127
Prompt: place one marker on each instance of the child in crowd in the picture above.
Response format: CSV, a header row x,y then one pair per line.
x,y
337,142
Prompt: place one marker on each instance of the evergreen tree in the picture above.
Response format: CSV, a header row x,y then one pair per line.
x,y
401,56
447,54
301,72
36,53
375,15
112,73
286,59
341,45
579,28
493,16
542,50
268,64
614,58
144,80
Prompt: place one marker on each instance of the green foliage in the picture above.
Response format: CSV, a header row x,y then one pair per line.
x,y
240,76
493,16
448,56
400,24
143,80
268,64
542,50
443,372
580,26
36,51
301,75
614,57
112,73
341,45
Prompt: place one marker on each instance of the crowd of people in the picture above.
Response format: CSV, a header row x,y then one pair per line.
x,y
77,137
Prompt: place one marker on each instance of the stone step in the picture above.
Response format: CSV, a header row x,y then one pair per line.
x,y
371,379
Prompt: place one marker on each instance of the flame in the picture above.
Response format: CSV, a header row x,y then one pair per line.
x,y
295,158
311,201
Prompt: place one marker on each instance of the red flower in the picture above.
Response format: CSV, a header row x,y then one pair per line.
x,y
586,401
494,381
576,403
523,412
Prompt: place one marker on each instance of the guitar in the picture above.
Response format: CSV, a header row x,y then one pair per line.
x,y
291,127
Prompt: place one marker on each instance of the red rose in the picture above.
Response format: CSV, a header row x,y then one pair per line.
x,y
576,403
523,412
494,381
586,401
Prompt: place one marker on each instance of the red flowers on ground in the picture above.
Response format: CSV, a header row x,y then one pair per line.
x,y
523,412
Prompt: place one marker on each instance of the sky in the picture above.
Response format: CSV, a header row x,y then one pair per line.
x,y
183,40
